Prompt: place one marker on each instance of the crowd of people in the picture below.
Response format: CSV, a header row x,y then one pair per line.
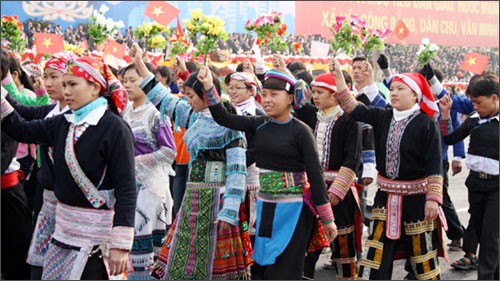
x,y
449,58
177,173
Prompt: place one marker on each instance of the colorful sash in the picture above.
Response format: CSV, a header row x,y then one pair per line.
x,y
396,189
77,231
86,186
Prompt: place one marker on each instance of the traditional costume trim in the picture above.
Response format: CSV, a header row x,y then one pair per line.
x,y
429,275
420,227
122,237
7,109
325,213
392,154
347,100
401,187
343,182
422,258
45,225
346,230
374,244
211,96
77,231
445,127
435,188
379,214
86,186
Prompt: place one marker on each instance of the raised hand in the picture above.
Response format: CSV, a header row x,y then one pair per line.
x,y
383,61
179,65
248,66
445,104
334,66
279,63
39,84
427,72
205,77
135,53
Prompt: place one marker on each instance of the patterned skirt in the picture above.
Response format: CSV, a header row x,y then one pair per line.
x,y
194,248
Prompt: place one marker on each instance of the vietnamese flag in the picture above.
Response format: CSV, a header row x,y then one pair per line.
x,y
114,48
180,33
475,63
48,43
161,12
401,31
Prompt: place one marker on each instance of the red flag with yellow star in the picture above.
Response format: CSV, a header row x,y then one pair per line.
x,y
161,12
475,63
114,48
48,43
401,31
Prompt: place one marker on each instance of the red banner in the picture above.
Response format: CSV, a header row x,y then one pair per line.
x,y
448,23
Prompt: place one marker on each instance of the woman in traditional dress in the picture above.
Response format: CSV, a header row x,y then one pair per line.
x,y
208,238
154,155
405,212
44,199
95,186
288,161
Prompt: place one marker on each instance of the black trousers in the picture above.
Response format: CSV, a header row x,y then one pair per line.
x,y
455,227
16,233
95,268
345,213
483,209
289,264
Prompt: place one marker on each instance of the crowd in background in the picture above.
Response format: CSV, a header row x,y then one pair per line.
x,y
449,58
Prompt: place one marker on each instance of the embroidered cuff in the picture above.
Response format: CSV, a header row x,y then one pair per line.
x,y
325,213
7,80
445,127
7,109
40,92
158,93
342,182
346,100
230,211
211,96
122,237
435,188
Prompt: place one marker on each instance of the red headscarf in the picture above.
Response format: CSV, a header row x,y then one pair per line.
x,y
419,85
95,70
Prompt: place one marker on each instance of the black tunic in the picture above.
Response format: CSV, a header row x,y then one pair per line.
x,y
421,143
109,144
284,147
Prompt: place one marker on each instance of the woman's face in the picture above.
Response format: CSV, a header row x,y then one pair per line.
x,y
131,81
79,92
276,103
53,80
323,98
180,83
197,103
238,91
402,97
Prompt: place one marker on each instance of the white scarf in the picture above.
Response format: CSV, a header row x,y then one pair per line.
x,y
246,107
400,115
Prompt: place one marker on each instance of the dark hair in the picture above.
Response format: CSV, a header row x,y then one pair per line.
x,y
347,77
164,72
239,68
359,59
131,66
304,75
472,81
4,58
114,70
296,66
192,81
485,87
192,67
25,79
227,79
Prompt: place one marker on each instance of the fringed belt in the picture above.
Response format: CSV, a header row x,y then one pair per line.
x,y
281,185
396,189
